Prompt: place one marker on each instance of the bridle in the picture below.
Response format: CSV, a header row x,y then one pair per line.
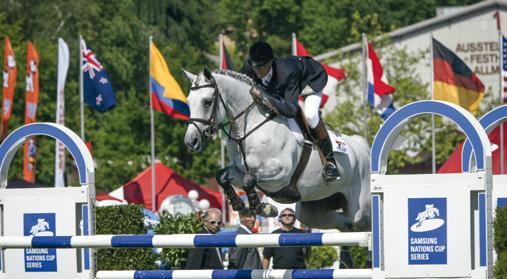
x,y
213,127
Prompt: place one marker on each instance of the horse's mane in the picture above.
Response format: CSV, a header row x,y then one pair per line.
x,y
235,75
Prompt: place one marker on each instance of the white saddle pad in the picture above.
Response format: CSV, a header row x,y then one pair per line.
x,y
339,144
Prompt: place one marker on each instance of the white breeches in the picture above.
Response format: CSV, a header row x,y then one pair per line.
x,y
311,109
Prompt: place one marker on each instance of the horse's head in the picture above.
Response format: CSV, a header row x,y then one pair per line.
x,y
205,115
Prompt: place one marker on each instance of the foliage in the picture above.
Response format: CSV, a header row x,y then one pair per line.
x,y
123,219
176,224
321,257
118,33
500,230
360,256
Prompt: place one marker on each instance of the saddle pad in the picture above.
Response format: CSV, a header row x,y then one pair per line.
x,y
339,144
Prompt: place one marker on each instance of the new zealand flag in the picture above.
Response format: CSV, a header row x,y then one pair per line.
x,y
97,89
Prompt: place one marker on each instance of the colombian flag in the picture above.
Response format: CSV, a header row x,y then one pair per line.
x,y
166,93
454,81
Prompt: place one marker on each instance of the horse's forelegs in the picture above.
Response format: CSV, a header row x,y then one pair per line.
x,y
255,205
224,180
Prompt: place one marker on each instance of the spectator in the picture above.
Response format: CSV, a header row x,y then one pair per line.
x,y
207,258
286,257
245,258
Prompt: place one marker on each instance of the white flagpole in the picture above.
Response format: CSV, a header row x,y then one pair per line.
x,y
502,84
152,126
294,47
222,146
63,67
365,83
81,92
433,151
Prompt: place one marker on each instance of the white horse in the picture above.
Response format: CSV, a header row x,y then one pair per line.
x,y
264,152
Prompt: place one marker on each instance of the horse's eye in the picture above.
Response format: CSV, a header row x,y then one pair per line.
x,y
207,103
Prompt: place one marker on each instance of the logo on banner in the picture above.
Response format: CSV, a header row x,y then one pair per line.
x,y
39,259
427,233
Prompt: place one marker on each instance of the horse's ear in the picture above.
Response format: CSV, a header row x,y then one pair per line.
x,y
189,75
207,74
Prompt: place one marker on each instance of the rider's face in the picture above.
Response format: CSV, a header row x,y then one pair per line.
x,y
263,70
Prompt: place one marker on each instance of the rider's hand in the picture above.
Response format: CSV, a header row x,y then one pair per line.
x,y
256,94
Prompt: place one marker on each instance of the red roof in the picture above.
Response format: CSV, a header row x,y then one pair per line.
x,y
167,183
453,163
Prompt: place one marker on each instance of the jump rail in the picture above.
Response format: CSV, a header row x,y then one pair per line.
x,y
188,240
239,274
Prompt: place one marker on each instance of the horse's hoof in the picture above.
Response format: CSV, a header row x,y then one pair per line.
x,y
268,210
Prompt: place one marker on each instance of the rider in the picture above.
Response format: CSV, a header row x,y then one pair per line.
x,y
284,79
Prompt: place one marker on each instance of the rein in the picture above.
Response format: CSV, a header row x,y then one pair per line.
x,y
211,128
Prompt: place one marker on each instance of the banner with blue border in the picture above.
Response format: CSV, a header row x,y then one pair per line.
x,y
427,231
40,259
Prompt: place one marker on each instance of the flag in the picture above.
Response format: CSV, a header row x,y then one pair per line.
x,y
63,67
31,100
504,69
379,91
97,88
226,61
334,73
9,78
453,81
166,94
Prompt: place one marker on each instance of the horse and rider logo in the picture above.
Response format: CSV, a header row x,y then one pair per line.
x,y
41,228
427,220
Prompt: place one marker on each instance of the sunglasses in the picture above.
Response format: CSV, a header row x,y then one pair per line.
x,y
287,215
213,222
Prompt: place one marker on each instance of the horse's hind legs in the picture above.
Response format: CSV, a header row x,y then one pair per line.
x,y
225,182
255,205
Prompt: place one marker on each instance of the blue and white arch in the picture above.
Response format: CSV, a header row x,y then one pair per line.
x,y
70,140
385,139
489,121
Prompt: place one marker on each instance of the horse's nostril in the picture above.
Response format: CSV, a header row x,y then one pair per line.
x,y
194,142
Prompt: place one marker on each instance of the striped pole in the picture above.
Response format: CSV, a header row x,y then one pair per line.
x,y
238,274
188,240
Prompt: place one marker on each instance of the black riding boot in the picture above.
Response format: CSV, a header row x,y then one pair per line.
x,y
323,141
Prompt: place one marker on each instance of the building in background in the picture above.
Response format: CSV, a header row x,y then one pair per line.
x,y
472,32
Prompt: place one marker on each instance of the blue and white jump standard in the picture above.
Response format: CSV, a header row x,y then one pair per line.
x,y
47,211
421,224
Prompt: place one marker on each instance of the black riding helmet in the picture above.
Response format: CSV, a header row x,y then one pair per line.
x,y
260,54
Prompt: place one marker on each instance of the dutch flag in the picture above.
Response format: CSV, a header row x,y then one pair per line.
x,y
379,91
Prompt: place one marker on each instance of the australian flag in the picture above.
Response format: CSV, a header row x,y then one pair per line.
x,y
97,89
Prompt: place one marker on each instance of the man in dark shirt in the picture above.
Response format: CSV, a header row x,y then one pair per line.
x,y
284,80
207,258
286,257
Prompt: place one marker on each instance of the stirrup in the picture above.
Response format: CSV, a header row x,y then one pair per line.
x,y
331,172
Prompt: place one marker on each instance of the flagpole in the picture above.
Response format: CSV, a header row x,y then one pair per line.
x,y
81,90
152,129
433,151
365,83
222,146
294,47
500,37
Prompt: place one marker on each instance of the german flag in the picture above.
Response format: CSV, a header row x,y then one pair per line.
x,y
454,81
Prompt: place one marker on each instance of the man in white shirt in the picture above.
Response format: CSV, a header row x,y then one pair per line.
x,y
245,258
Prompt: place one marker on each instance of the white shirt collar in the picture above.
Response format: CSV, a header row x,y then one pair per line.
x,y
267,78
245,228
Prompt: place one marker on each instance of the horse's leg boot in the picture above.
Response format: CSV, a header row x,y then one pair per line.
x,y
224,181
323,141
